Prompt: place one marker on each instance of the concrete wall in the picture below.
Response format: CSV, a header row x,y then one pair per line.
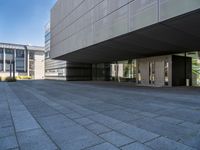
x,y
39,65
76,24
143,66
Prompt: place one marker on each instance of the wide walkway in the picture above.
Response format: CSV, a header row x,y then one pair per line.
x,y
54,115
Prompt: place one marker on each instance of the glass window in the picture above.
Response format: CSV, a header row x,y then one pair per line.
x,y
20,61
139,75
47,37
9,51
20,53
8,62
1,54
1,65
124,71
47,54
151,72
195,67
166,72
20,65
9,54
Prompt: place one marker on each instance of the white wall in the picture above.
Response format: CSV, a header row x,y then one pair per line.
x,y
39,65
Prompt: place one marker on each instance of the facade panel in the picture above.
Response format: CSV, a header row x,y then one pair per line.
x,y
173,8
79,24
54,69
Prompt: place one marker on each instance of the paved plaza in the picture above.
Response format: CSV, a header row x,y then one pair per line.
x,y
54,115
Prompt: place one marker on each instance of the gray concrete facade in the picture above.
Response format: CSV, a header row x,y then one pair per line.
x,y
109,30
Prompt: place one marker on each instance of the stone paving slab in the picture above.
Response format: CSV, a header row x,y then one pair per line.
x,y
169,120
122,115
116,139
103,146
56,121
6,131
84,121
166,144
74,116
136,146
8,142
97,128
73,138
172,131
138,134
35,140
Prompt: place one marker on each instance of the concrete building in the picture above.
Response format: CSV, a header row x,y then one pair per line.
x,y
54,69
28,60
144,41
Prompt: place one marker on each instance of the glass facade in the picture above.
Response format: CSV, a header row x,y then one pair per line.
x,y
124,70
195,56
17,55
20,60
195,67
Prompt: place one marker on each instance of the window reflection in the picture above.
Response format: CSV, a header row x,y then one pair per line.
x,y
124,71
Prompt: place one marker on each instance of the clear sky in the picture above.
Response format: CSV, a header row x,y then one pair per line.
x,y
23,21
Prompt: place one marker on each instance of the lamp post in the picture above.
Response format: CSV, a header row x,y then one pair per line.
x,y
13,69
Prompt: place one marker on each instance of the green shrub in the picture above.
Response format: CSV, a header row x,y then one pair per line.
x,y
23,77
10,79
0,79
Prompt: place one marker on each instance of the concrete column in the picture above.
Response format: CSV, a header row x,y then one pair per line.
x,y
4,60
27,63
14,59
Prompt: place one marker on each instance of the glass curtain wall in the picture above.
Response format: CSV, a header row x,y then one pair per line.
x,y
124,71
195,55
195,67
20,61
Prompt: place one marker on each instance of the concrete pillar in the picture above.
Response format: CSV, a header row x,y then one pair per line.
x,y
117,72
4,60
14,59
27,63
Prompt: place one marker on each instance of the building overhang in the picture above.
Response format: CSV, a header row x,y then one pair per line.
x,y
179,34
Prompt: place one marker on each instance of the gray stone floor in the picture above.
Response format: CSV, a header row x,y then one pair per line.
x,y
53,115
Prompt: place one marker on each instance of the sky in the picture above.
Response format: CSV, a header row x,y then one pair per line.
x,y
23,21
